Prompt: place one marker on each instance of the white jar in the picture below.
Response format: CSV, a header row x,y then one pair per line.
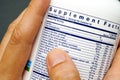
x,y
89,30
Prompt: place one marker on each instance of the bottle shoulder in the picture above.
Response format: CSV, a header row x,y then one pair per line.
x,y
106,9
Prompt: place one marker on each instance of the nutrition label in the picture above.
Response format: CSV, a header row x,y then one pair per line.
x,y
90,41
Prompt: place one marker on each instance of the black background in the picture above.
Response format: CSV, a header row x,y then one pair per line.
x,y
9,10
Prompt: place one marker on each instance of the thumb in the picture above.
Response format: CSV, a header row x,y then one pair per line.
x,y
60,66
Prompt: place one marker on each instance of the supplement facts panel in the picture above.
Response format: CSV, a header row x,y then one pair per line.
x,y
88,40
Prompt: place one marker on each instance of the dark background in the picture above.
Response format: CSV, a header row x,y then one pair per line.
x,y
9,10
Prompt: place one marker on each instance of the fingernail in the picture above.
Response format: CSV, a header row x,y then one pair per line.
x,y
55,57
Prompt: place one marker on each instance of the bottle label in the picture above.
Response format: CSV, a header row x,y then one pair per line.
x,y
90,41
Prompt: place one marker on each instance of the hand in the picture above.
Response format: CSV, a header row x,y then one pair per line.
x,y
60,64
18,41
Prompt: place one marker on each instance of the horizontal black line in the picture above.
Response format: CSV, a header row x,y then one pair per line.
x,y
81,30
83,24
79,36
40,73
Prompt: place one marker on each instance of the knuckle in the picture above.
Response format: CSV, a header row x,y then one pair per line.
x,y
20,37
16,37
11,24
11,27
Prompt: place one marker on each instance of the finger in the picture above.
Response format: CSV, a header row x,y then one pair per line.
x,y
33,17
20,43
60,66
8,34
114,71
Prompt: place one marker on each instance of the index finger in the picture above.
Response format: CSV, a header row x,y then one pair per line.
x,y
20,44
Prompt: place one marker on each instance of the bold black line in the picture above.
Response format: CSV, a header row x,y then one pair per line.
x,y
79,36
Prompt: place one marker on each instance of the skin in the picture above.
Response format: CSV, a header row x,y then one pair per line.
x,y
17,43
